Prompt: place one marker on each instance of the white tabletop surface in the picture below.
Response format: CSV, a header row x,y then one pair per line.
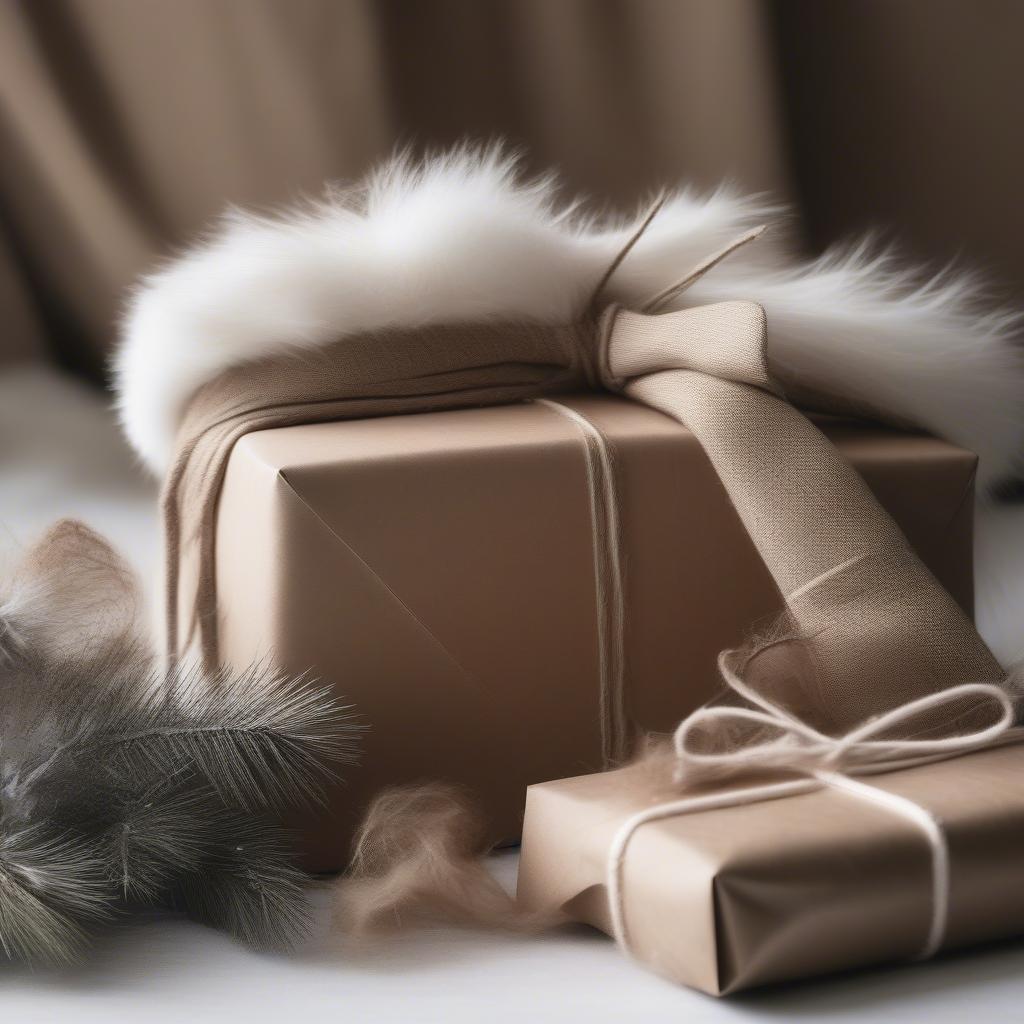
x,y
60,455
167,970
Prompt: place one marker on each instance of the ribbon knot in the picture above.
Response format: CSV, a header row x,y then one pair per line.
x,y
727,340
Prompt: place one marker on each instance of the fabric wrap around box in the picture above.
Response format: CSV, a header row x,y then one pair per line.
x,y
438,571
736,897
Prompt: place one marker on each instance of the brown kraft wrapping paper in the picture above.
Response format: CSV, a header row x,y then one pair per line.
x,y
737,897
438,571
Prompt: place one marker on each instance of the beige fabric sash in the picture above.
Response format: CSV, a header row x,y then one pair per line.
x,y
881,628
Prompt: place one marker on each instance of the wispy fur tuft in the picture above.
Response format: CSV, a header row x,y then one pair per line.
x,y
418,857
463,237
71,594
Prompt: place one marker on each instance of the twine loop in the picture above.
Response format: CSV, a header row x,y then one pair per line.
x,y
797,746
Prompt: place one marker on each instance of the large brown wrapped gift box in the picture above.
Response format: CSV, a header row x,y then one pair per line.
x,y
735,897
438,570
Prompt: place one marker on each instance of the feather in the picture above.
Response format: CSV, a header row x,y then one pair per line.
x,y
122,785
249,886
50,889
258,738
159,833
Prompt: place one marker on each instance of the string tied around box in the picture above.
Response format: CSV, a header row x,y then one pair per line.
x,y
780,742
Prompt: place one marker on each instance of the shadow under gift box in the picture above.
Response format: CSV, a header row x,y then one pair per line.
x,y
438,571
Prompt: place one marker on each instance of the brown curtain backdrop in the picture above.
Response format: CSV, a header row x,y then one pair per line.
x,y
125,125
129,123
908,117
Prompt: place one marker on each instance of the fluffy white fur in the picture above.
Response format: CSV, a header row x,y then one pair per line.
x,y
462,237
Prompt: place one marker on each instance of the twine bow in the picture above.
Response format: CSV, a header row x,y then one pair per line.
x,y
797,746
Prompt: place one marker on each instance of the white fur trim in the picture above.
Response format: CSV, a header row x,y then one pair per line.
x,y
461,237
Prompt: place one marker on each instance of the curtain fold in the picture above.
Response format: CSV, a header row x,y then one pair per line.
x,y
907,117
127,126
23,335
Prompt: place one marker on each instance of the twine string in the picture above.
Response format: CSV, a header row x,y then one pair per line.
x,y
606,537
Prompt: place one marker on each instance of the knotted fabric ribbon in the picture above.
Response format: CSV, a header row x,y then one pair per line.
x,y
791,745
880,627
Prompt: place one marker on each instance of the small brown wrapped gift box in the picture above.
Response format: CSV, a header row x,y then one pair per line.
x,y
438,570
736,897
